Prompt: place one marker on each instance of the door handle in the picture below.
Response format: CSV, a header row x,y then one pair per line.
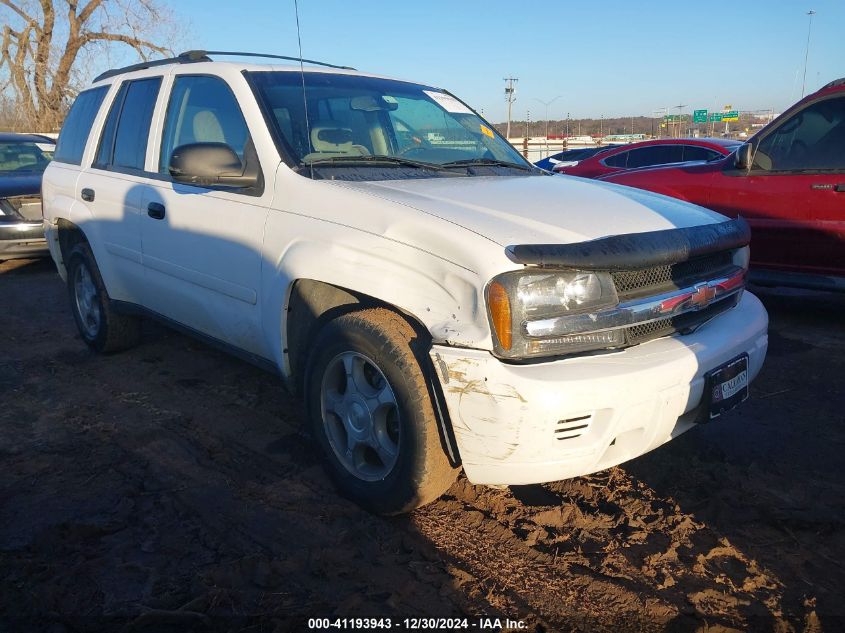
x,y
155,210
87,195
840,188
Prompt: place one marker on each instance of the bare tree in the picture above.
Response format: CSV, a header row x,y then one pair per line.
x,y
43,41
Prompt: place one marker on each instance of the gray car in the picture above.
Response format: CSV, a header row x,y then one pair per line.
x,y
23,159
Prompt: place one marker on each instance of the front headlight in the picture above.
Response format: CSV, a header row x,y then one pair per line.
x,y
516,299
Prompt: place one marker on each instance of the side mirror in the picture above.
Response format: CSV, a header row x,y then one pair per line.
x,y
209,164
744,156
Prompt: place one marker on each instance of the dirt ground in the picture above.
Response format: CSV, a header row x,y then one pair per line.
x,y
170,488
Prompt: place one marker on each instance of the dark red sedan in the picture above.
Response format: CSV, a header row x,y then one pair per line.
x,y
788,181
650,153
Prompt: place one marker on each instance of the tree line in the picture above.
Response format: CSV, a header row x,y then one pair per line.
x,y
49,48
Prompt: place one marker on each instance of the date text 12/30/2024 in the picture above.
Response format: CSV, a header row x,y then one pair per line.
x,y
415,624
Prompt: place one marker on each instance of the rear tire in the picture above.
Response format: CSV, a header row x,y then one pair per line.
x,y
102,329
369,410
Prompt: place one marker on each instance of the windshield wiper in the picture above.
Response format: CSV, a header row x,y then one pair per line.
x,y
485,162
375,158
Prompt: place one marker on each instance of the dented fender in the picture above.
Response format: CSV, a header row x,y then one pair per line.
x,y
308,237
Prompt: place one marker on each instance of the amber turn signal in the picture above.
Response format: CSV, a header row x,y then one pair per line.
x,y
500,311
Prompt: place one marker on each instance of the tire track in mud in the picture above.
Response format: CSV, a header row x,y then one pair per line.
x,y
604,552
530,582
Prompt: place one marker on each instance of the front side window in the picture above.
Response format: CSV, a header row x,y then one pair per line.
x,y
25,156
696,152
77,126
655,155
373,123
812,139
202,109
123,143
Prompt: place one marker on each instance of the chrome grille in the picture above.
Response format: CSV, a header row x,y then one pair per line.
x,y
648,281
690,320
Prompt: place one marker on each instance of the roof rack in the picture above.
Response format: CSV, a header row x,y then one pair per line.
x,y
188,57
268,56
193,56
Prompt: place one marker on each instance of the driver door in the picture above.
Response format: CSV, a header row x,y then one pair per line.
x,y
794,193
202,245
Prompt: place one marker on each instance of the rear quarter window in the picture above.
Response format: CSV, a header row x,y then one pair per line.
x,y
617,160
77,126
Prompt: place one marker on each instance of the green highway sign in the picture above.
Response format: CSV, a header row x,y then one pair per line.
x,y
733,115
715,116
674,118
699,116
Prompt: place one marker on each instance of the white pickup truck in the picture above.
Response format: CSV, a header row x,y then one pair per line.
x,y
437,305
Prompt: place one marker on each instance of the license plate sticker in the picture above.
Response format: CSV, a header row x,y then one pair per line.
x,y
727,386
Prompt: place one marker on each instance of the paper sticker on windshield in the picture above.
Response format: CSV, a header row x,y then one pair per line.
x,y
448,102
486,131
46,147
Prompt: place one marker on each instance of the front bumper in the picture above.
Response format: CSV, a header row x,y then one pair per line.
x,y
524,424
22,240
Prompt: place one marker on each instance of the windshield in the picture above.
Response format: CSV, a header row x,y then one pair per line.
x,y
376,123
25,157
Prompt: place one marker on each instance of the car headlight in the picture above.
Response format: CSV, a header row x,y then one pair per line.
x,y
516,299
742,257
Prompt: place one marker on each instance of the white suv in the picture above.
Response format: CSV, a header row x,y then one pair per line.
x,y
438,302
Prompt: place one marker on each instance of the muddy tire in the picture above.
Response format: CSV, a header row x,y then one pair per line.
x,y
102,329
369,410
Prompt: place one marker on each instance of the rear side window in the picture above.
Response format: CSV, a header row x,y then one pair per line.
x,y
202,110
77,126
123,144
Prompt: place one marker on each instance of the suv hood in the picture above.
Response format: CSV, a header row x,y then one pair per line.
x,y
538,209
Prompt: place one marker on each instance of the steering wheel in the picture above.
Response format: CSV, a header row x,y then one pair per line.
x,y
422,144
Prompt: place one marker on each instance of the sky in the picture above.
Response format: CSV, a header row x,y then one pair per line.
x,y
599,58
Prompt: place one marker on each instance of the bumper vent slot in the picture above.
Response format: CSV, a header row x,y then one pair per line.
x,y
572,428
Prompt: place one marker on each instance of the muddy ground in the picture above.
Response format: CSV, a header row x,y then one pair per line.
x,y
169,488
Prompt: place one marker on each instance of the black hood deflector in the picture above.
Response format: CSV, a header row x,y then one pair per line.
x,y
636,250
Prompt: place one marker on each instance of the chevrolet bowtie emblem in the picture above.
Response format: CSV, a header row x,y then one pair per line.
x,y
699,297
702,296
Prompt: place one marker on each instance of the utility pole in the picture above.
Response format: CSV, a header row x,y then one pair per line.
x,y
810,13
547,104
510,97
680,109
665,111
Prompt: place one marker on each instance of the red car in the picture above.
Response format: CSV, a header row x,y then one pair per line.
x,y
788,181
648,154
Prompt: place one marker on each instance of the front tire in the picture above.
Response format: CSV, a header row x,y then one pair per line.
x,y
370,412
102,329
